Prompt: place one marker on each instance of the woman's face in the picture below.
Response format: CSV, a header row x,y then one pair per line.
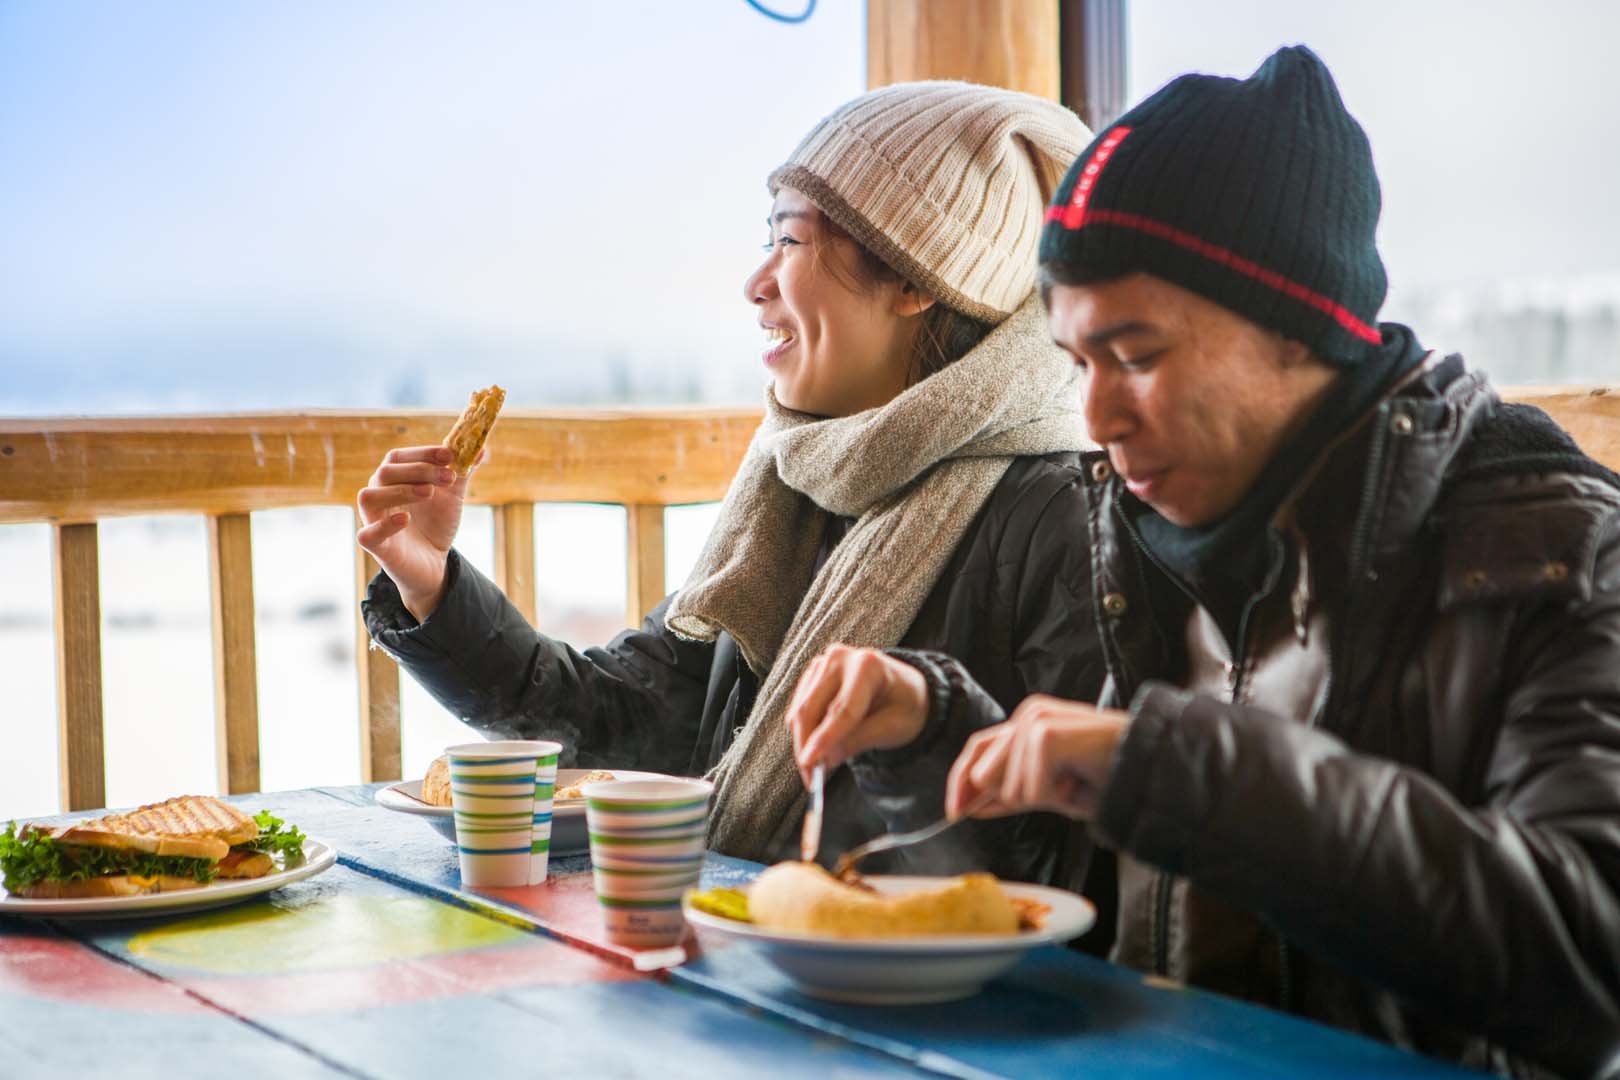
x,y
835,345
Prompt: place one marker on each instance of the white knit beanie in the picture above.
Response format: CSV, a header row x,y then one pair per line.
x,y
947,182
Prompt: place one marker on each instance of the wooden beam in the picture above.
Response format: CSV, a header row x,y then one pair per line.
x,y
76,575
1011,43
236,672
1591,415
514,555
78,469
645,561
380,757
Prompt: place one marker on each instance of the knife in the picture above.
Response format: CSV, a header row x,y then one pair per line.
x,y
810,836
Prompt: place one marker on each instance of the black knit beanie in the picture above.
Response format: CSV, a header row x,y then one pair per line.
x,y
1258,194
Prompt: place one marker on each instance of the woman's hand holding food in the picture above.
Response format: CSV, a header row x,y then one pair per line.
x,y
850,700
1050,754
409,513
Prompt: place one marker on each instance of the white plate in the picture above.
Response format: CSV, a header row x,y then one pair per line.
x,y
909,970
567,817
318,856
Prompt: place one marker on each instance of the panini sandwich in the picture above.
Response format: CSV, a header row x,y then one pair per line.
x,y
182,843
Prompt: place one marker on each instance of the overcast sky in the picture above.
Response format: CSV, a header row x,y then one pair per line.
x,y
233,205
1493,124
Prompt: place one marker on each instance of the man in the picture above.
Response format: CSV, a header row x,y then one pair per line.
x,y
1359,748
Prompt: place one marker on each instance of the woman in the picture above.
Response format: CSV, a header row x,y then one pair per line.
x,y
914,483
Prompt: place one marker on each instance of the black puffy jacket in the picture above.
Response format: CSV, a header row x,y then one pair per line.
x,y
1429,852
1011,603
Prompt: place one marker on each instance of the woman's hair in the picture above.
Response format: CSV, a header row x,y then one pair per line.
x,y
944,336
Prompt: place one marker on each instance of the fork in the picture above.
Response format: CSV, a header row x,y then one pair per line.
x,y
845,866
810,831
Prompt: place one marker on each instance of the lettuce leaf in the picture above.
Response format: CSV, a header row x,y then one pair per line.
x,y
277,838
31,855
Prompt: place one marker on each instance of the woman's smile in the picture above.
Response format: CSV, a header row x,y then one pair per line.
x,y
777,342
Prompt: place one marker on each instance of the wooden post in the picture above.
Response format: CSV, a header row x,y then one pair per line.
x,y
1093,56
379,688
644,559
1011,43
514,555
236,673
76,574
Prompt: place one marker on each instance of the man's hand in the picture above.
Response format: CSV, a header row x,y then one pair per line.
x,y
1050,754
851,700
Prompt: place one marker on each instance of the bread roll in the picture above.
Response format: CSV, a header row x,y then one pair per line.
x,y
803,898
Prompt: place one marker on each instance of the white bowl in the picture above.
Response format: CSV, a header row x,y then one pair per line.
x,y
910,970
567,816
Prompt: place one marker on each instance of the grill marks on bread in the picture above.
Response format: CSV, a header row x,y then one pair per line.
x,y
194,826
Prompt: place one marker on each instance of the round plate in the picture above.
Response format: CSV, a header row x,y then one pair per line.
x,y
567,817
318,856
910,970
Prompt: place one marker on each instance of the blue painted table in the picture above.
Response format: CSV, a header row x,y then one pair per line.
x,y
385,967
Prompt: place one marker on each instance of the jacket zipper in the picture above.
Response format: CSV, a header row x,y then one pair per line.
x,y
1359,541
1285,976
1159,930
1163,883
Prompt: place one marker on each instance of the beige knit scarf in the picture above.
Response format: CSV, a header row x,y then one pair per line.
x,y
914,473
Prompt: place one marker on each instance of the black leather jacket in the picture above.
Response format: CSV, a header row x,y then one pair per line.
x,y
1433,852
1011,603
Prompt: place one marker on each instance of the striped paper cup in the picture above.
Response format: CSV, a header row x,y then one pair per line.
x,y
501,796
646,851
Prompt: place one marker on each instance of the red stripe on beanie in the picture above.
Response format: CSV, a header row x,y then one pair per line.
x,y
1088,176
1074,217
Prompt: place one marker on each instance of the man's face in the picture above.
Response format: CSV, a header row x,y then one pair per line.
x,y
1189,399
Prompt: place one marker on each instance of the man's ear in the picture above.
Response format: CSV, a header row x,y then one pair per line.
x,y
911,300
1295,354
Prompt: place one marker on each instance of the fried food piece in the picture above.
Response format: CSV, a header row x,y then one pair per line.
x,y
804,898
1031,913
472,428
572,791
436,784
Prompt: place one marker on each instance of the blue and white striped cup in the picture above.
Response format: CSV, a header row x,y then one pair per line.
x,y
646,851
501,795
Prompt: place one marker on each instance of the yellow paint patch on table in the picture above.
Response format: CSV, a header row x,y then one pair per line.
x,y
339,932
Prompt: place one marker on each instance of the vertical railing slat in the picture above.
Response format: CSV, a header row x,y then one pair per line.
x,y
379,690
236,678
76,577
514,555
644,561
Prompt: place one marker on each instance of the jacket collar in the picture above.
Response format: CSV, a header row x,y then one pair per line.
x,y
1378,486
1415,436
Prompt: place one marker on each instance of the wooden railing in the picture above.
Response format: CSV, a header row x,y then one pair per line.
x,y
74,472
